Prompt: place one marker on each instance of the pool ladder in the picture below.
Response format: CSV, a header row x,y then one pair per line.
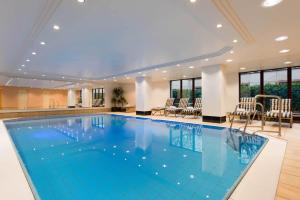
x,y
263,117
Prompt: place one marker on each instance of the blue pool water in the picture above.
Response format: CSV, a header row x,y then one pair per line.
x,y
104,157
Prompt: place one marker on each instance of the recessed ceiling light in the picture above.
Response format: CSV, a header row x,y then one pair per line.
x,y
231,52
234,41
281,38
81,1
144,75
20,69
104,79
43,75
43,43
193,1
284,51
114,77
270,3
115,80
219,25
127,77
287,62
33,53
242,68
22,65
206,59
178,65
63,77
27,60
56,27
191,67
228,60
139,72
184,76
164,71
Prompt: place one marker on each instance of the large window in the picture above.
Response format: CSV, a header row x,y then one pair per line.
x,y
284,82
98,97
296,90
175,89
198,88
186,88
250,84
275,83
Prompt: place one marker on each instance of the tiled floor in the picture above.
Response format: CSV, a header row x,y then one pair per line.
x,y
289,182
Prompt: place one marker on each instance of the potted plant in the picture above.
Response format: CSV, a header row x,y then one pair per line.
x,y
118,100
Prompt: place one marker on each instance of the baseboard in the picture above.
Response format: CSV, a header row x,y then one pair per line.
x,y
214,119
143,112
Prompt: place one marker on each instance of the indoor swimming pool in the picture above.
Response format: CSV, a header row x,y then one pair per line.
x,y
130,158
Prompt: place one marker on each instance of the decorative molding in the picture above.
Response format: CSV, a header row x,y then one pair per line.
x,y
42,20
225,7
187,60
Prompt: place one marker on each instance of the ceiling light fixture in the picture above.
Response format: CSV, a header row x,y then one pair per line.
x,y
184,76
20,69
219,25
22,65
43,43
206,59
156,69
193,1
235,41
178,65
27,60
242,68
81,1
56,27
191,67
231,52
287,62
33,53
43,75
281,38
284,51
164,71
229,60
63,77
270,3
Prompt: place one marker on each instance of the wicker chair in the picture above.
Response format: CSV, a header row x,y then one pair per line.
x,y
286,112
169,103
196,110
183,104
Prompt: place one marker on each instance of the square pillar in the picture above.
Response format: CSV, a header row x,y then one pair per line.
x,y
143,95
213,94
86,95
71,98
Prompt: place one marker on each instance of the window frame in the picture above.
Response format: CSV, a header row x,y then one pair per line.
x,y
180,90
262,82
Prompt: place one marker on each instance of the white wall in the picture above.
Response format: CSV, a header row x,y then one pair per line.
x,y
143,91
160,93
129,93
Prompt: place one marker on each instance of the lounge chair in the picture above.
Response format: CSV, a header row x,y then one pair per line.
x,y
246,108
183,104
169,102
196,110
286,112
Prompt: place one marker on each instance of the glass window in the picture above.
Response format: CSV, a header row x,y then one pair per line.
x,y
187,89
98,97
198,88
275,83
250,84
296,90
175,89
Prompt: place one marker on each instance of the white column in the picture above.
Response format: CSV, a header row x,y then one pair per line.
x,y
143,95
213,94
71,98
86,97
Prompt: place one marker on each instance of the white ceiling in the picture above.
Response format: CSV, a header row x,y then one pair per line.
x,y
101,39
